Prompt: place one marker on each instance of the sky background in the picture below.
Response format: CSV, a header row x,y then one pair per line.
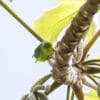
x,y
18,70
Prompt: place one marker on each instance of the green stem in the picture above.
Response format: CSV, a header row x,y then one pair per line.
x,y
96,64
19,20
96,76
92,70
90,61
68,92
90,43
72,96
54,86
90,85
93,79
41,81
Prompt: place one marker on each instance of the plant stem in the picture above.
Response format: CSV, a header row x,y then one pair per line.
x,y
90,43
93,79
68,92
41,81
94,63
91,61
92,70
90,85
96,76
72,96
54,86
19,20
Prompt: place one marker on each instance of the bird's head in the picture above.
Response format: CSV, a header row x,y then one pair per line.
x,y
47,45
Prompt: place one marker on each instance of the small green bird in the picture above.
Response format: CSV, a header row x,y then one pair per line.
x,y
43,51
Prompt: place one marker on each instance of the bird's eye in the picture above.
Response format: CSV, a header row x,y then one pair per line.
x,y
47,45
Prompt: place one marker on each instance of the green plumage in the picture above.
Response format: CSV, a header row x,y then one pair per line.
x,y
43,51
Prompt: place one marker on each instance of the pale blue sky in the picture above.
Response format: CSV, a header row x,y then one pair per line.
x,y
17,68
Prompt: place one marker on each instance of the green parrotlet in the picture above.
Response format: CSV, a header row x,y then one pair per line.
x,y
43,51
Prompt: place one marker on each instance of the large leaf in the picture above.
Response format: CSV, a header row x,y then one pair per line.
x,y
49,26
92,95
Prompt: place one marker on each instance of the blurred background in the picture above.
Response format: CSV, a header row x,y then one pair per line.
x,y
18,70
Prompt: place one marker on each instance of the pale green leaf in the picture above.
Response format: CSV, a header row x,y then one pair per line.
x,y
92,95
49,26
72,1
90,33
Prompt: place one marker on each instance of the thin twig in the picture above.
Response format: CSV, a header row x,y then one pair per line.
x,y
5,6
